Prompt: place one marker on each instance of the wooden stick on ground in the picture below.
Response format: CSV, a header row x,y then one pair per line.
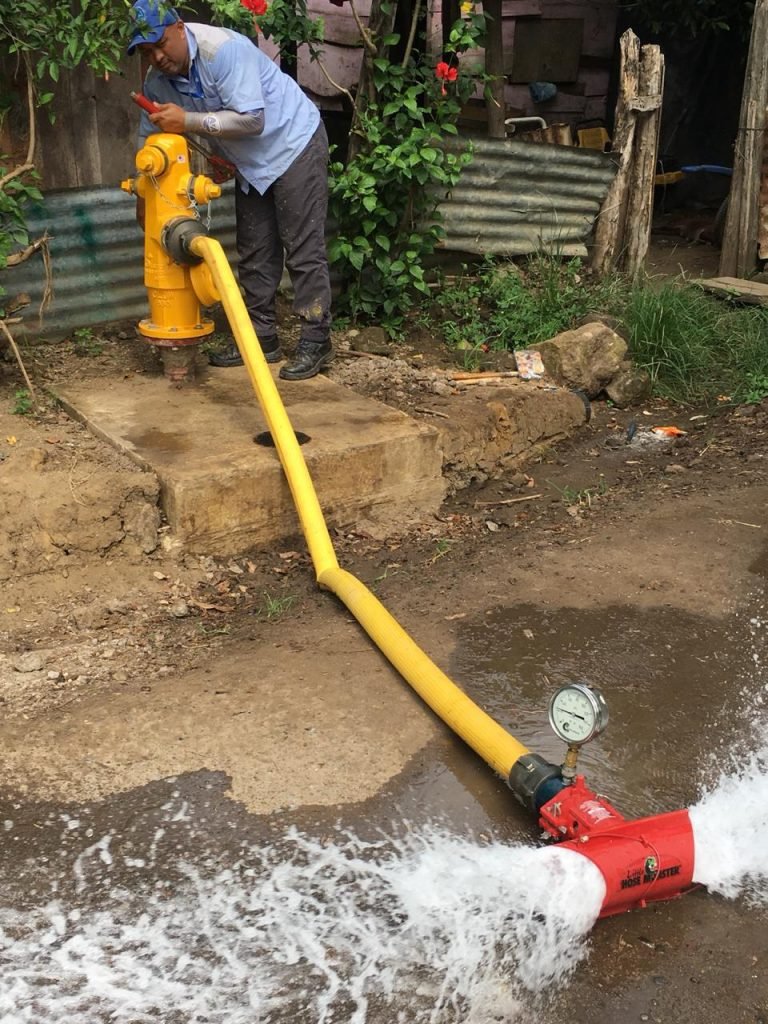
x,y
496,378
432,412
506,501
483,374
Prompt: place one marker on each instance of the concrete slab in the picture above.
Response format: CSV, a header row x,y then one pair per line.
x,y
222,492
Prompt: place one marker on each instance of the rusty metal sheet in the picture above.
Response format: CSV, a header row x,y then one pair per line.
x,y
97,252
516,198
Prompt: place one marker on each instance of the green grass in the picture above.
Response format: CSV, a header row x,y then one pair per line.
x,y
273,608
506,305
85,343
695,347
580,496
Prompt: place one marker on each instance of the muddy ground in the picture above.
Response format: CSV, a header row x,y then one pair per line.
x,y
125,663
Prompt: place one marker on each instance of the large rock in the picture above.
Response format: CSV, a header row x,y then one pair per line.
x,y
630,386
586,358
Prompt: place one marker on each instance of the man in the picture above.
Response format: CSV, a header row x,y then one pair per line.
x,y
216,83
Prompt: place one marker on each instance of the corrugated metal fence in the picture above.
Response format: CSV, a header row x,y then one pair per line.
x,y
513,198
520,197
97,252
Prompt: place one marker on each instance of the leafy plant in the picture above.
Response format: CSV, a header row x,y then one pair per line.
x,y
508,305
22,403
47,37
385,201
284,21
692,17
85,344
756,388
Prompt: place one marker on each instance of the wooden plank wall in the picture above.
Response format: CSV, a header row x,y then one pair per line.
x,y
93,138
582,98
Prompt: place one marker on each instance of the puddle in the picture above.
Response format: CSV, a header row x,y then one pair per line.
x,y
160,441
671,683
760,565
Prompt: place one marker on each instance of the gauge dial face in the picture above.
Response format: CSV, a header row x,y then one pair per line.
x,y
577,713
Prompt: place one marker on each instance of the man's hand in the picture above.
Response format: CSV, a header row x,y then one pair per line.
x,y
169,117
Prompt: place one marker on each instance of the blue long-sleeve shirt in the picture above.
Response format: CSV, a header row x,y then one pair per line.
x,y
229,72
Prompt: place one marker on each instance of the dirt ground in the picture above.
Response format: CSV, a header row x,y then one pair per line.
x,y
114,647
94,594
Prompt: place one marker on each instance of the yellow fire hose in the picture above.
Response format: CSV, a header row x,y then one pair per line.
x,y
487,738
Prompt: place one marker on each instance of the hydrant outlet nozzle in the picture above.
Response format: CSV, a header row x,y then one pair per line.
x,y
204,189
152,160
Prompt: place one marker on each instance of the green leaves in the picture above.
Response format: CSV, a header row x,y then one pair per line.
x,y
58,36
692,17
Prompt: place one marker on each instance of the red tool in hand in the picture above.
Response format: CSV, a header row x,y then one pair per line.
x,y
221,170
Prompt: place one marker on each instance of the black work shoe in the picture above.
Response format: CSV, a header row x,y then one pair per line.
x,y
230,356
271,349
310,358
227,356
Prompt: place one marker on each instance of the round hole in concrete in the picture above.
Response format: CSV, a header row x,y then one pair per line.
x,y
266,440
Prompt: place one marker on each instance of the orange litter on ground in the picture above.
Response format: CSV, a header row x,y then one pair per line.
x,y
669,431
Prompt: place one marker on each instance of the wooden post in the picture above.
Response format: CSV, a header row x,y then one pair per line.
x,y
610,222
494,68
639,214
739,252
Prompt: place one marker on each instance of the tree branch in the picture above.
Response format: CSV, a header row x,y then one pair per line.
x,y
21,257
19,360
411,34
365,35
331,82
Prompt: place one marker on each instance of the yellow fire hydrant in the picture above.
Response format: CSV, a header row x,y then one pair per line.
x,y
177,282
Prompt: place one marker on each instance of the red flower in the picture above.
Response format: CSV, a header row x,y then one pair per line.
x,y
255,6
445,73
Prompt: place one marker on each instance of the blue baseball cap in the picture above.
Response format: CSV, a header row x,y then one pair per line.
x,y
150,18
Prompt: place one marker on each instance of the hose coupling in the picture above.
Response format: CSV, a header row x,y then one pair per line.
x,y
176,237
534,781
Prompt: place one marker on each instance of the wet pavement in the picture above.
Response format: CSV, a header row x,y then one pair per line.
x,y
98,898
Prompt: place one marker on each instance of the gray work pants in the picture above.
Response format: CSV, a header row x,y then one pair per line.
x,y
287,224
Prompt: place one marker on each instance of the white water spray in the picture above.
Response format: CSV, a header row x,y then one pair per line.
x,y
730,821
730,831
428,928
424,929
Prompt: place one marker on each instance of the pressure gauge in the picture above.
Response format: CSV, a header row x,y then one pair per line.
x,y
578,713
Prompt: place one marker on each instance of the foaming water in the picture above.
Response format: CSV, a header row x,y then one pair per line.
x,y
730,831
427,928
730,821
